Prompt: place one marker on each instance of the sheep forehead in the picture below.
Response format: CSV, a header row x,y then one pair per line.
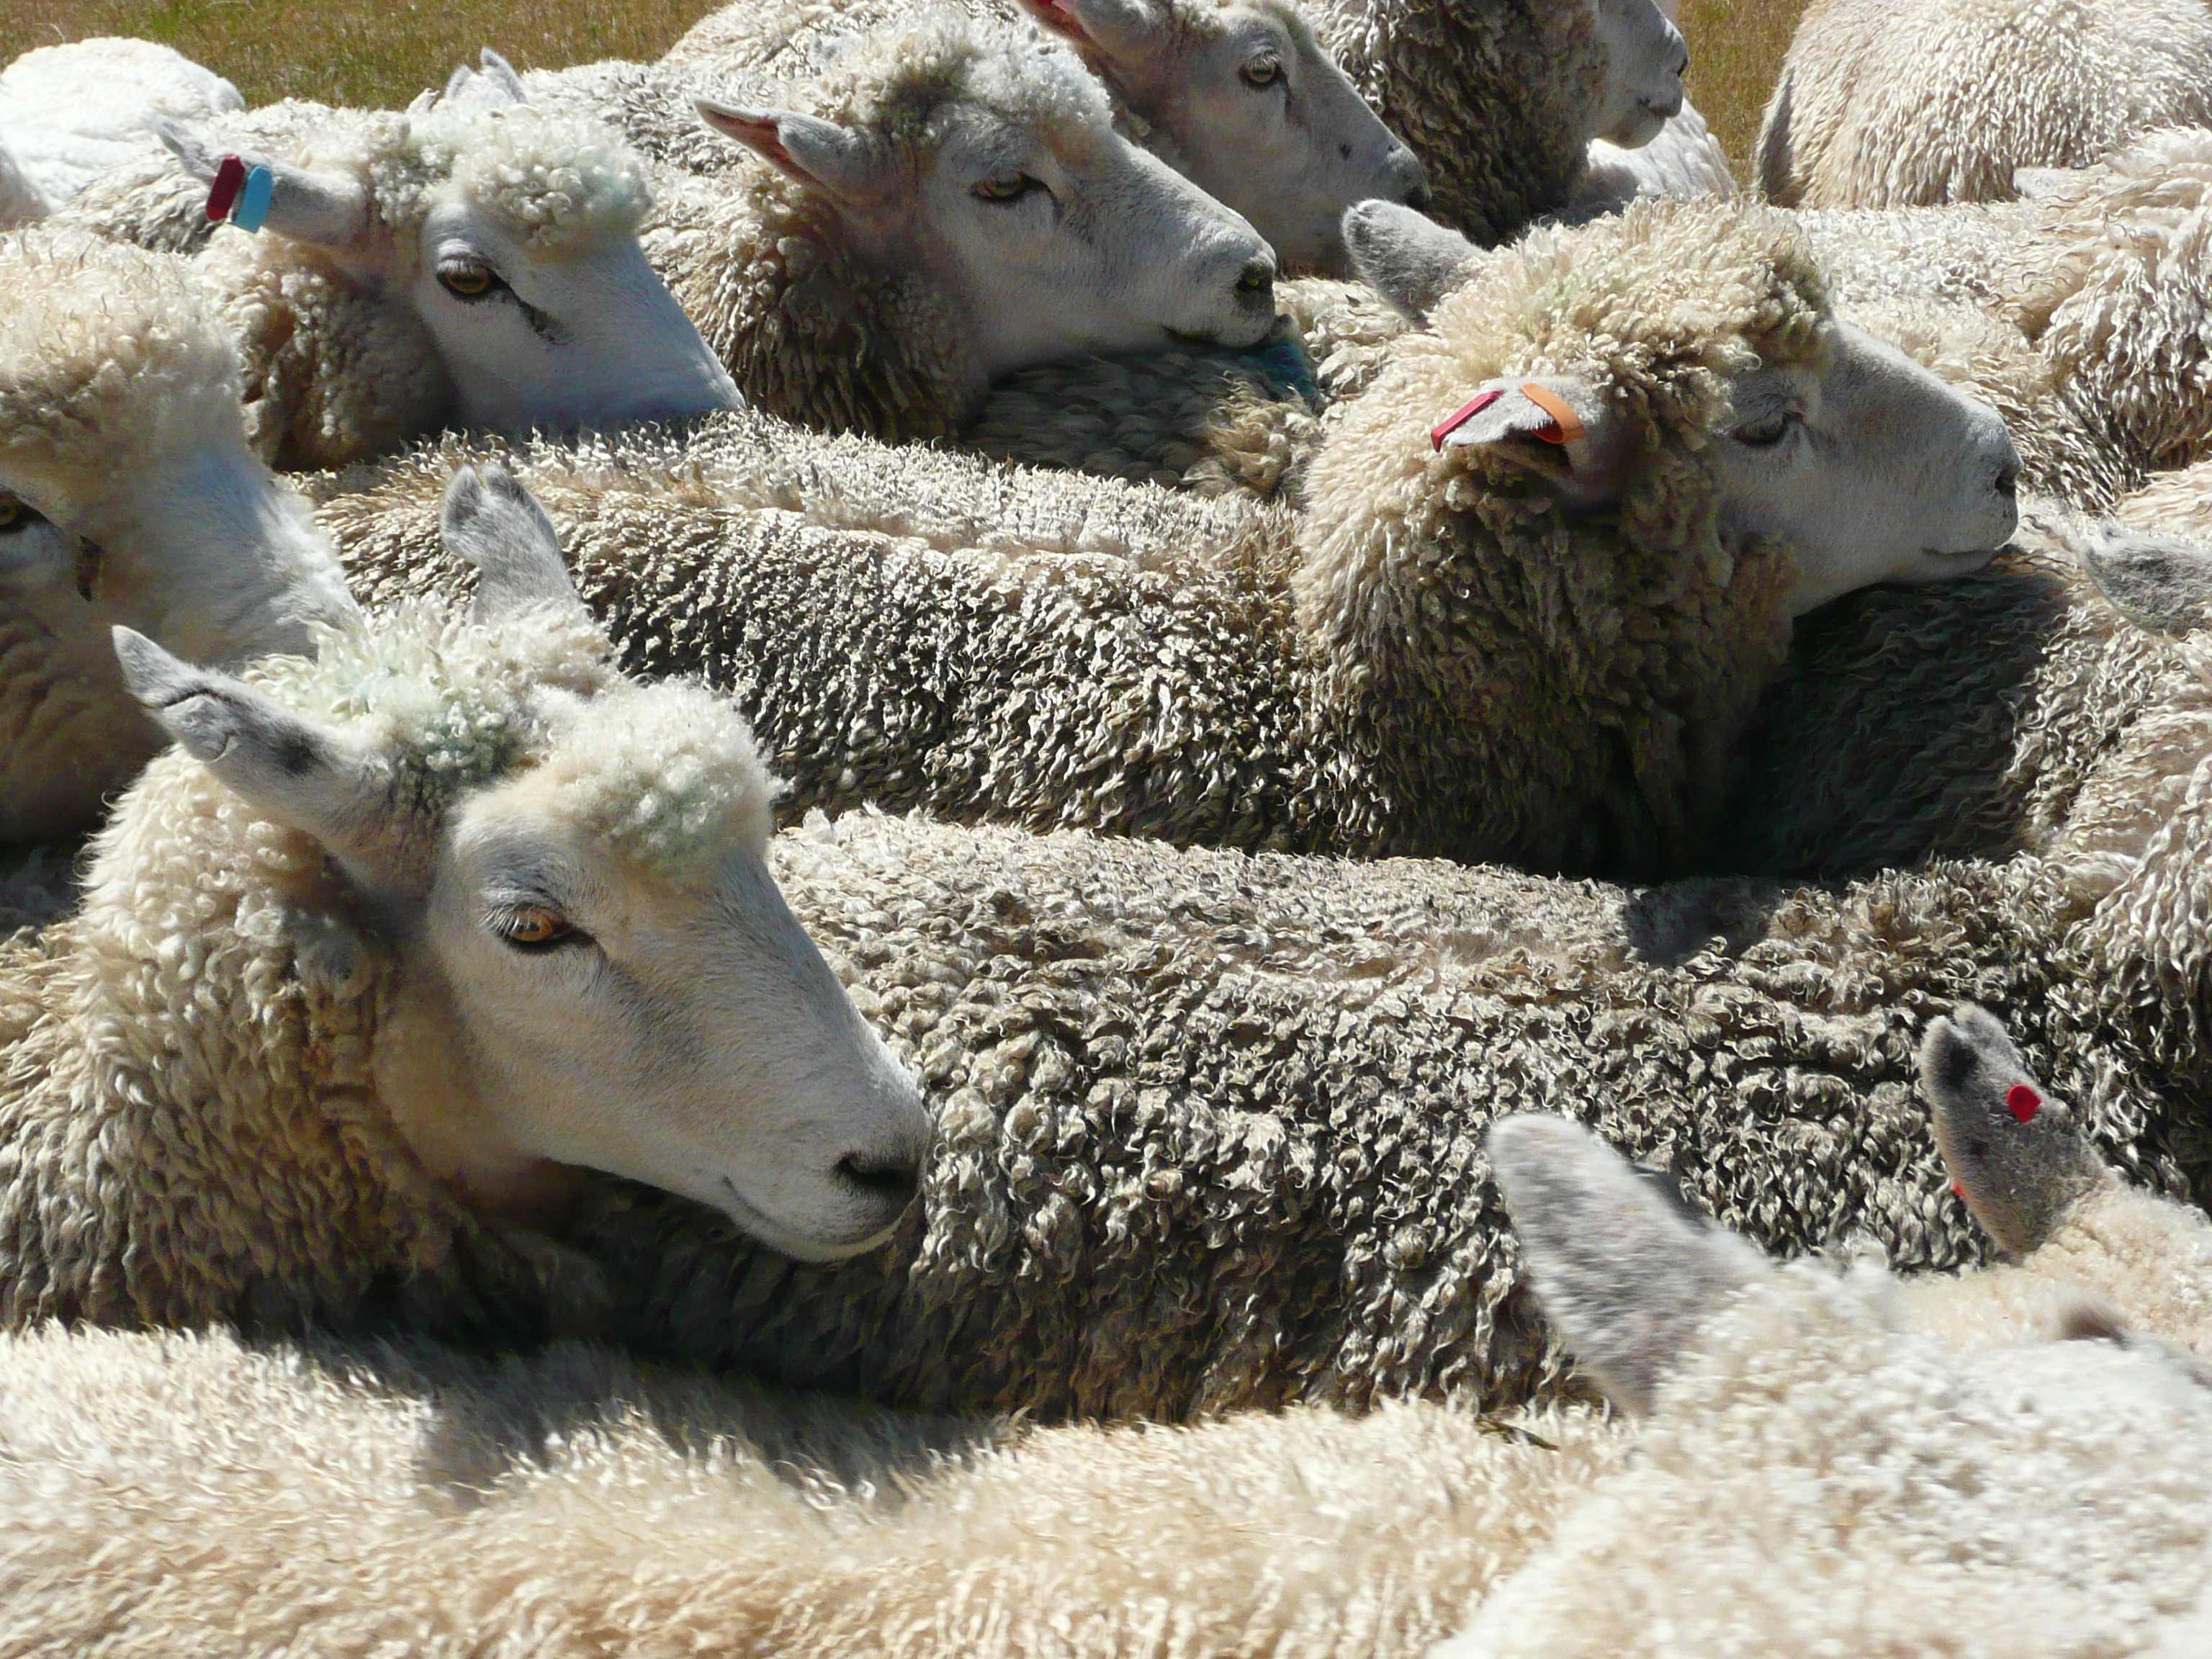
x,y
909,88
1663,288
666,777
560,183
108,356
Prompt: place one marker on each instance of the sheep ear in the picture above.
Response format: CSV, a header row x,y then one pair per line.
x,y
2163,585
318,780
496,72
1406,256
812,150
1120,29
1620,1267
492,85
2016,1155
1558,427
501,528
329,209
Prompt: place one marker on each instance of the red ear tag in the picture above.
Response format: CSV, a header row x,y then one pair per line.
x,y
1566,426
1957,1189
1460,417
2022,1101
222,193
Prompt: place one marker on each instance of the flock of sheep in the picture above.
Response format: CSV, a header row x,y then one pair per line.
x,y
882,841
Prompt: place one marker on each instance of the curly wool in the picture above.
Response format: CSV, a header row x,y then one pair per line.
x,y
1236,676
1882,104
187,1065
1495,100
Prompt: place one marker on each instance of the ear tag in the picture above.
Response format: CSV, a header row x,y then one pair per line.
x,y
222,193
2022,1101
1460,417
1958,1188
1566,426
253,200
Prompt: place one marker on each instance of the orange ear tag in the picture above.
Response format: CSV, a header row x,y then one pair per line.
x,y
1566,426
1460,417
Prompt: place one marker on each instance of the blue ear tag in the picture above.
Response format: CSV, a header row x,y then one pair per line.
x,y
252,210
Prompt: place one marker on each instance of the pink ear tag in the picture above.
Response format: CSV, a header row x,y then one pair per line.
x,y
2022,1101
1460,417
223,191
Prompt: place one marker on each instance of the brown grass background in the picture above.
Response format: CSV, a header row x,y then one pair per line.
x,y
377,53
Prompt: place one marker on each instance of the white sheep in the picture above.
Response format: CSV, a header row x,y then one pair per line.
x,y
391,945
1500,102
945,204
1812,1457
127,495
1447,651
70,113
1897,103
472,260
1239,97
1683,160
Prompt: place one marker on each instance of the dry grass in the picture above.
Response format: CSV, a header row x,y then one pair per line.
x,y
377,53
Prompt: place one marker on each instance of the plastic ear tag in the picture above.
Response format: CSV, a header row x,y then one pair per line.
x,y
1460,417
222,193
1566,426
2022,1101
253,200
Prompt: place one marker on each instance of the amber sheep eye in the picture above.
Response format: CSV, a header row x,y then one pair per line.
x,y
536,927
14,515
467,280
1261,73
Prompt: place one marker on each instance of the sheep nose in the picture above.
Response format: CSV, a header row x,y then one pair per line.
x,y
1683,66
1418,198
893,1178
2009,479
1255,283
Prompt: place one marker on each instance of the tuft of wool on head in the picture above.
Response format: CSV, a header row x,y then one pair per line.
x,y
106,354
559,181
898,84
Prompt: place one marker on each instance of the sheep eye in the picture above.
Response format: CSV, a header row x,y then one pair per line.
x,y
536,927
14,515
1261,73
468,279
1006,187
1765,432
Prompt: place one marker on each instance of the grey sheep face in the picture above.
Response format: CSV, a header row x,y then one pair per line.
x,y
1645,58
1048,232
562,879
1253,109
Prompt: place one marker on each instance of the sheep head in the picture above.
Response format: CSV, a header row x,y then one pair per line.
x,y
128,495
1250,105
979,161
506,239
561,879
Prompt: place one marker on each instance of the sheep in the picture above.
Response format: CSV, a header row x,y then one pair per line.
x,y
1247,677
1500,102
127,495
349,1499
1900,103
1683,160
1238,97
472,260
950,203
70,113
366,963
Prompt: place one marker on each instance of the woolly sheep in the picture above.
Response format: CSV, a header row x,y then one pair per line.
x,y
1238,95
1897,103
472,260
611,1506
70,113
127,495
1257,679
394,941
1500,102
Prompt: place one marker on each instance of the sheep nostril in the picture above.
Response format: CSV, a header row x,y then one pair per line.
x,y
2009,480
1683,68
896,1180
1418,198
1257,280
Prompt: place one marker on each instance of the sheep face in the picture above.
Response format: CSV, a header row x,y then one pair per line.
x,y
1867,466
1645,56
511,235
562,880
1253,109
127,496
993,171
